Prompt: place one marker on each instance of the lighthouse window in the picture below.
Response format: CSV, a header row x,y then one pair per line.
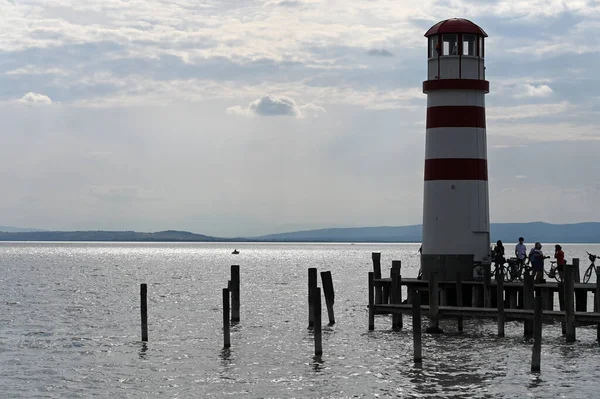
x,y
469,44
433,43
450,44
481,49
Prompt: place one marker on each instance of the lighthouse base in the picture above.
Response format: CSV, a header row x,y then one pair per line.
x,y
447,266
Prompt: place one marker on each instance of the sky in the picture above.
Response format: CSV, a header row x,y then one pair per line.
x,y
240,118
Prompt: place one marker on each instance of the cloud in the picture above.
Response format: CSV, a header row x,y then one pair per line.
x,y
521,177
380,52
529,90
35,98
276,106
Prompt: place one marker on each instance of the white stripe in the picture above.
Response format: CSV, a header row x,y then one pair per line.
x,y
456,142
441,98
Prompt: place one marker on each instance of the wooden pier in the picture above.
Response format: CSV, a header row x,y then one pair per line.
x,y
488,299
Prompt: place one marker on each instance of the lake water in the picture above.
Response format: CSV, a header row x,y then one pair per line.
x,y
70,327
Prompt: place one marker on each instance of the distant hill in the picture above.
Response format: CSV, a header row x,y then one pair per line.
x,y
9,229
161,236
507,232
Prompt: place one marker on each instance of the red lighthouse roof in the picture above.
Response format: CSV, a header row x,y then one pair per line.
x,y
455,25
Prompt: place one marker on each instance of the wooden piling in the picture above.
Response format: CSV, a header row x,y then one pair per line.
x,y
475,296
528,302
226,329
416,322
569,304
575,271
312,284
235,293
581,300
537,333
376,257
459,299
327,283
597,300
561,303
396,292
512,298
434,302
144,308
500,302
487,294
317,318
371,302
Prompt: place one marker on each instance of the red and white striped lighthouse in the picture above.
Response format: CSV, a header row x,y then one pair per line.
x,y
456,221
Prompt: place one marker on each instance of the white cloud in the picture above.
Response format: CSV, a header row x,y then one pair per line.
x,y
529,90
276,106
35,98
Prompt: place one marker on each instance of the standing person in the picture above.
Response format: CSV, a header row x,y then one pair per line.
x,y
536,257
498,254
560,260
521,253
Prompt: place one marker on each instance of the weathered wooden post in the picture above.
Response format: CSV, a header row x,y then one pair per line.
x,y
528,302
317,317
144,308
376,256
475,295
512,298
226,329
500,300
312,284
396,293
537,333
576,272
434,301
569,304
371,302
459,299
487,292
327,283
416,322
561,302
235,293
597,300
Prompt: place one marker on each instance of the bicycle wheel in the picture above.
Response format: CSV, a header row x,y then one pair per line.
x,y
587,275
507,273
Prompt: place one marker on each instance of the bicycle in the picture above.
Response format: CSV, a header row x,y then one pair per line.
x,y
592,266
553,272
509,273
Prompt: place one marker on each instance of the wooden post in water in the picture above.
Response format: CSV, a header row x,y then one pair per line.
x,y
235,293
327,283
376,256
576,272
475,295
536,356
416,322
512,298
561,302
459,299
597,300
144,307
312,284
434,302
226,329
528,302
487,294
500,302
569,304
317,317
371,302
396,293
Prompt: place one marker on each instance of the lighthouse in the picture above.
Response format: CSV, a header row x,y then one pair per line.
x,y
456,221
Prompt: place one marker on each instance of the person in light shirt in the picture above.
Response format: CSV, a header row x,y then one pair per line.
x,y
521,252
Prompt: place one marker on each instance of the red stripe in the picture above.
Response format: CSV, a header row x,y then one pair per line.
x,y
456,84
456,116
456,169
